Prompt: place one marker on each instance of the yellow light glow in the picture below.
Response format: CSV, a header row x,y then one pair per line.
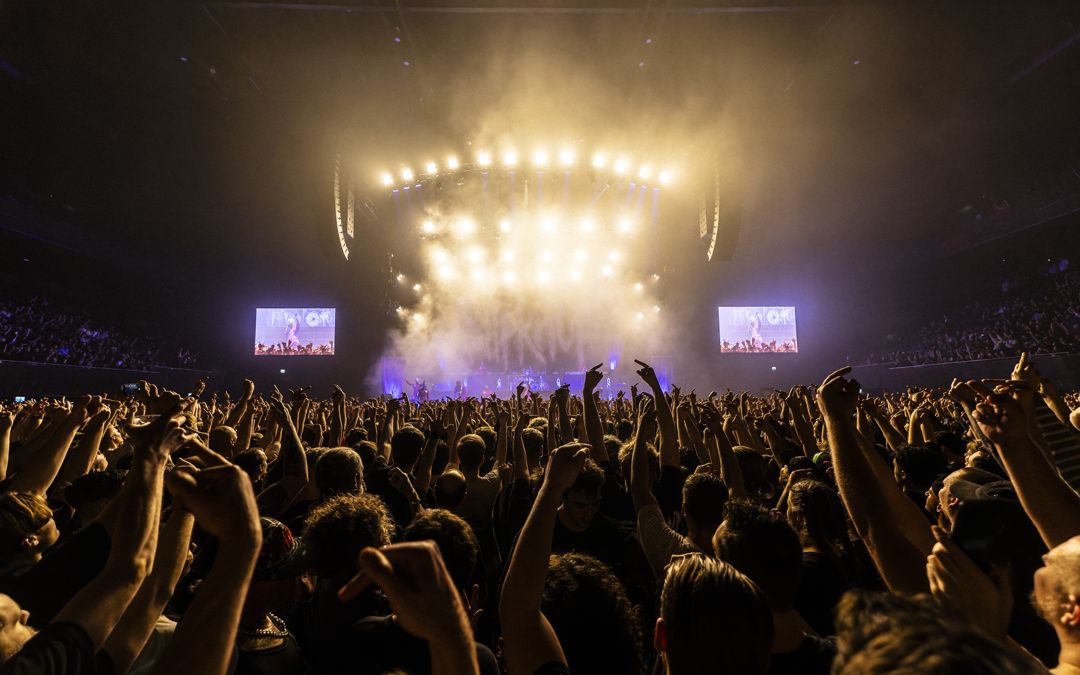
x,y
452,163
406,175
399,309
509,278
431,168
575,275
483,158
638,287
418,318
548,224
607,271
440,255
665,177
400,278
625,225
587,225
599,161
566,157
466,227
656,308
656,277
510,158
614,256
640,316
428,227
621,165
479,274
579,255
416,287
508,256
387,180
475,254
546,256
543,278
540,157
504,225
644,172
446,272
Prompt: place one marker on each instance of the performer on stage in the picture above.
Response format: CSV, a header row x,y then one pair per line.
x,y
755,332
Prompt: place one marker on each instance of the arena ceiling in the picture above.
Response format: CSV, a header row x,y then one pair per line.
x,y
209,128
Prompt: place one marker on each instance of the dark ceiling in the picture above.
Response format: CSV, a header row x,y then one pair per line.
x,y
201,135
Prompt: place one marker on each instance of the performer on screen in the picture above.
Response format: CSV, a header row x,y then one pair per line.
x,y
292,327
755,332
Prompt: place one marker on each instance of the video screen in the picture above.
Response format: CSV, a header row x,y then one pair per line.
x,y
758,330
294,331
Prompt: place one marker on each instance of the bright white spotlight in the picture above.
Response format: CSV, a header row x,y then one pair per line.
x,y
548,224
504,225
479,274
483,158
475,254
466,226
621,165
638,287
656,308
507,256
579,255
510,158
543,278
575,275
566,157
446,272
644,172
640,316
387,180
509,278
656,277
428,227
418,318
614,256
625,225
540,157
587,225
452,163
665,177
416,287
407,175
440,255
599,161
546,256
607,271
400,309
400,278
431,168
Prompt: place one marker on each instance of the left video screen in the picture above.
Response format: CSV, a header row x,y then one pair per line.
x,y
295,331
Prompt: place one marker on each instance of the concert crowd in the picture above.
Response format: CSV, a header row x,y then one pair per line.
x,y
1042,314
817,530
34,330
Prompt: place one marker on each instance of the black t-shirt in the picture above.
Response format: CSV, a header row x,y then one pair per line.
x,y
377,482
59,649
813,656
43,589
285,659
820,587
387,646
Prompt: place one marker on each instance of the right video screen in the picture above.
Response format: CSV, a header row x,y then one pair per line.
x,y
758,330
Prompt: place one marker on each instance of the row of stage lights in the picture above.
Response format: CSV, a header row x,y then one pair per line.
x,y
567,159
465,227
420,319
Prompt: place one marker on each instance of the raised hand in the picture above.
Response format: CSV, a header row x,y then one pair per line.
x,y
954,577
837,397
221,499
647,374
593,377
1000,417
415,580
564,466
